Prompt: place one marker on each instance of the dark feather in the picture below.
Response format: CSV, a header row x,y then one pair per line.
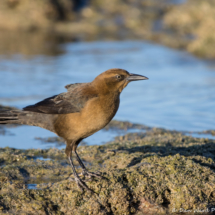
x,y
6,115
70,102
72,86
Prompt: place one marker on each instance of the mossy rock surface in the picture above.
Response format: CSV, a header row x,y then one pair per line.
x,y
154,172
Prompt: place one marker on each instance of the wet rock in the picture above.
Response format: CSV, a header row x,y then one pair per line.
x,y
212,132
100,20
124,125
31,15
195,20
188,26
156,173
29,44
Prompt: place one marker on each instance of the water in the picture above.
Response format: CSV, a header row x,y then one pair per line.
x,y
178,95
32,186
25,137
208,136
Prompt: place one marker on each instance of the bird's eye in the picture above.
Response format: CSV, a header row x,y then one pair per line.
x,y
118,76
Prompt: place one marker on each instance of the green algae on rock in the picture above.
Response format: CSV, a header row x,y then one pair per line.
x,y
157,172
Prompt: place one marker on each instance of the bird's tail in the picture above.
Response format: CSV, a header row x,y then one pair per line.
x,y
27,118
9,117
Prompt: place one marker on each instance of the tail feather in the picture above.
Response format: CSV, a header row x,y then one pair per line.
x,y
7,115
27,118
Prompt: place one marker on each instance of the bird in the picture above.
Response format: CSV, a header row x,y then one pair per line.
x,y
78,113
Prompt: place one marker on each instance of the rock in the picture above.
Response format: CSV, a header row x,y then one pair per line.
x,y
156,172
195,20
188,26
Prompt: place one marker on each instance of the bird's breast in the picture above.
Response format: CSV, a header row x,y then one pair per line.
x,y
97,113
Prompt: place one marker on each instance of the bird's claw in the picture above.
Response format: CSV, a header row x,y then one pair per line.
x,y
91,174
81,184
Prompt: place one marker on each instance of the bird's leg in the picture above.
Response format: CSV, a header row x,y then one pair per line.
x,y
79,182
85,172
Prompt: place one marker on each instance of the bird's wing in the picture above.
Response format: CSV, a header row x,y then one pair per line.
x,y
70,102
73,86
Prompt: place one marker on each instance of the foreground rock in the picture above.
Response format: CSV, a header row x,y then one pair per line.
x,y
152,173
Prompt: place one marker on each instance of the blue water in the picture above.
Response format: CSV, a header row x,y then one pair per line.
x,y
180,92
32,186
25,137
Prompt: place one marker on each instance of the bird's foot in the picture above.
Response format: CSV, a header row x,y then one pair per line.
x,y
81,184
92,174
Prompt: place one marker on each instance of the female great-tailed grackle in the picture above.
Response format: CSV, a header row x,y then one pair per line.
x,y
80,112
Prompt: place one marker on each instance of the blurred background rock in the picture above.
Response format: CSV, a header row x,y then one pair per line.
x,y
44,23
195,20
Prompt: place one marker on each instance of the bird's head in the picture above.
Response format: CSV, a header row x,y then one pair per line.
x,y
115,80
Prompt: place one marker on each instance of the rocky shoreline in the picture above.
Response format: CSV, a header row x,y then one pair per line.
x,y
156,171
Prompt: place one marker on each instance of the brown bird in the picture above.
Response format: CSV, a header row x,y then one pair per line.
x,y
78,113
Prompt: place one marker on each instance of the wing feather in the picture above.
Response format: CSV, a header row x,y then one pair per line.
x,y
70,102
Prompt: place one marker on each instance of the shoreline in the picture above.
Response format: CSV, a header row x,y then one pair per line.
x,y
153,170
158,170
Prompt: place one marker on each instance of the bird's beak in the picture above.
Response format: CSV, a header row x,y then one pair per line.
x,y
135,77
